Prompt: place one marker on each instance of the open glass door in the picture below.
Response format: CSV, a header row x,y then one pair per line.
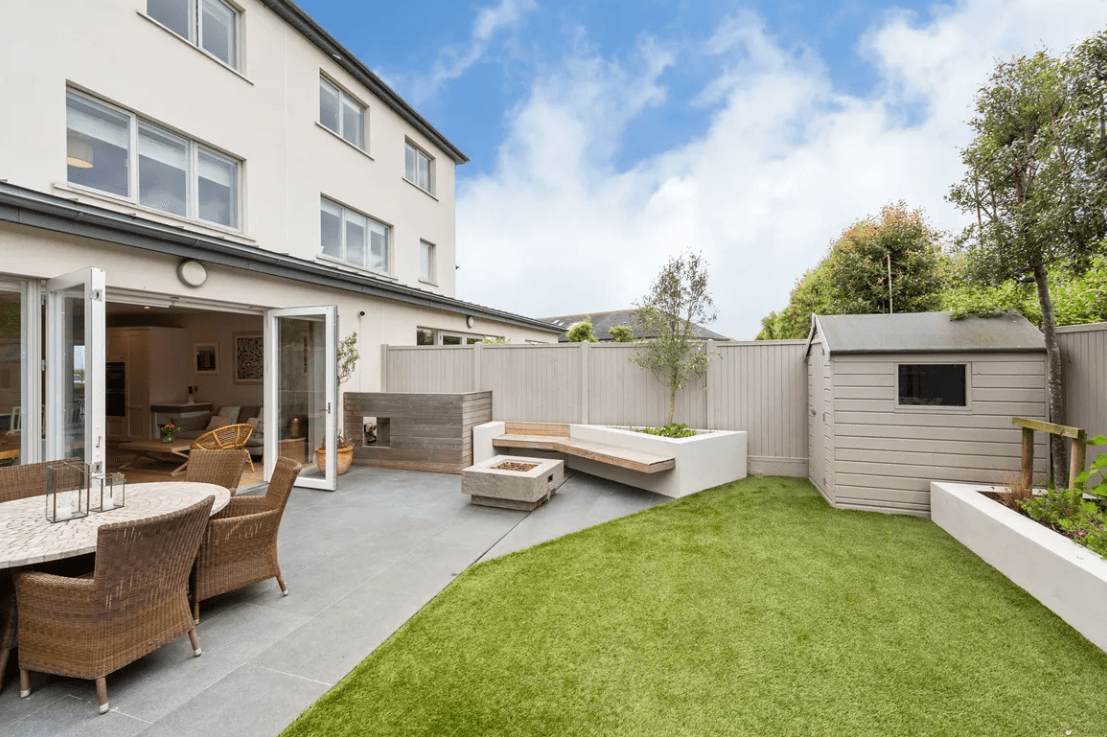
x,y
75,355
301,391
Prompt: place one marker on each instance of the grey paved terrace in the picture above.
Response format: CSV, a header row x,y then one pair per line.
x,y
358,562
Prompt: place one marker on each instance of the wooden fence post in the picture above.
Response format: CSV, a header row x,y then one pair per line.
x,y
384,367
1027,478
477,350
585,349
709,380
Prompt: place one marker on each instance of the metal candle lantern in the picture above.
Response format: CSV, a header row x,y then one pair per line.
x,y
67,491
108,492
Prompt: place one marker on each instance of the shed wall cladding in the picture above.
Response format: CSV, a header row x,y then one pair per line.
x,y
886,456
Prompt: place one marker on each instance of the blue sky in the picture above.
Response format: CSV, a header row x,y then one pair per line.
x,y
607,136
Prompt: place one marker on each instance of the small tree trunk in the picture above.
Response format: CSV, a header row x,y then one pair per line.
x,y
1056,393
672,403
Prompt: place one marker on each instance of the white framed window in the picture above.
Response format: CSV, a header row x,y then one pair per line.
x,y
434,336
211,25
418,167
354,238
341,114
427,259
121,154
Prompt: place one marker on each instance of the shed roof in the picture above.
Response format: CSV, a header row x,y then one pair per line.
x,y
928,332
602,322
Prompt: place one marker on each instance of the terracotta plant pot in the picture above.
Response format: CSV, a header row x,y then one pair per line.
x,y
345,459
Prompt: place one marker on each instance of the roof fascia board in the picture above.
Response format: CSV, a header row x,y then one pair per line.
x,y
33,209
292,14
950,351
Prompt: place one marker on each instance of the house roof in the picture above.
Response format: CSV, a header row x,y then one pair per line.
x,y
39,210
927,332
295,16
602,322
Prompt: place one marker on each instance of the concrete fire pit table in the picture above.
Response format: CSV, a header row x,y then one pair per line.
x,y
513,482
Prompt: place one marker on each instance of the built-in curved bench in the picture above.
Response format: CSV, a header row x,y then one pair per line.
x,y
554,438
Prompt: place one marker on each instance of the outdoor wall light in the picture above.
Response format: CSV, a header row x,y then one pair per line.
x,y
469,321
192,273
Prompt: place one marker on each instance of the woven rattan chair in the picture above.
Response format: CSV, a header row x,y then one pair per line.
x,y
240,545
7,623
135,601
21,482
221,467
228,437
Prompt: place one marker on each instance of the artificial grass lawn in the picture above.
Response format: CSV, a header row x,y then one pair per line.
x,y
750,609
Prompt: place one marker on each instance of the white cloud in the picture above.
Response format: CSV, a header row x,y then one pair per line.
x,y
786,163
453,62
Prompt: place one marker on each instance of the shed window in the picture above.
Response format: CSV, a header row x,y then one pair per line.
x,y
932,384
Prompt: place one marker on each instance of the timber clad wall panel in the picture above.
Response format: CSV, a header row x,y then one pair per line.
x,y
760,387
886,455
1084,370
427,432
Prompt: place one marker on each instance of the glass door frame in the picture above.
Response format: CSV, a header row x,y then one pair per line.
x,y
271,382
93,282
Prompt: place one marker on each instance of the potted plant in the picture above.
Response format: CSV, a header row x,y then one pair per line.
x,y
169,432
344,452
346,361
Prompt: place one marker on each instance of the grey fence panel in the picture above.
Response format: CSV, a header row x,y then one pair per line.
x,y
622,393
761,387
430,369
533,383
1084,353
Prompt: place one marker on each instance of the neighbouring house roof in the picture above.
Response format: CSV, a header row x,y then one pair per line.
x,y
38,210
926,332
292,14
602,322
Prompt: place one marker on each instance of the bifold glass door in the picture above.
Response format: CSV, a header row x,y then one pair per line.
x,y
75,355
301,392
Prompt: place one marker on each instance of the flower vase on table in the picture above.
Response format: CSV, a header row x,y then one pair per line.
x,y
169,432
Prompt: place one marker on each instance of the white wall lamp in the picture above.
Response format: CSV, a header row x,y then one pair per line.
x,y
192,273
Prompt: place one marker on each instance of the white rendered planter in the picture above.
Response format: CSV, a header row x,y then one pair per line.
x,y
1068,578
703,461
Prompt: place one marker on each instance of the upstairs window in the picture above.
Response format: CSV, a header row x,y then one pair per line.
x,y
426,262
341,114
118,153
933,384
356,239
210,24
418,168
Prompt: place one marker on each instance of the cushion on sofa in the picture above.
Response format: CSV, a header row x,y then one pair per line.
x,y
231,412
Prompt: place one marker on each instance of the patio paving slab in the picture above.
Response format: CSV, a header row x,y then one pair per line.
x,y
359,563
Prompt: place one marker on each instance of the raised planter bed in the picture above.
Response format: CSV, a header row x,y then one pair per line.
x,y
708,459
1068,578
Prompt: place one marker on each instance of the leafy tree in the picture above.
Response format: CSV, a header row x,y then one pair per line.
x,y
678,301
621,334
582,332
853,277
1024,184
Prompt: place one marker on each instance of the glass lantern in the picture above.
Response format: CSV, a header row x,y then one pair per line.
x,y
67,491
108,492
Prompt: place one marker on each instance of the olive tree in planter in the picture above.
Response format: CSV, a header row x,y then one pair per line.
x,y
677,303
346,362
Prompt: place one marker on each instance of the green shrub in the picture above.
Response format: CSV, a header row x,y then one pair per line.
x,y
1067,511
621,334
672,430
582,332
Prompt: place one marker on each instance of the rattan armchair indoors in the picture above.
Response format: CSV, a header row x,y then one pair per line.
x,y
228,437
220,467
135,601
240,545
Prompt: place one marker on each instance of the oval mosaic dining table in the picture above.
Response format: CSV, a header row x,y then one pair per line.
x,y
27,538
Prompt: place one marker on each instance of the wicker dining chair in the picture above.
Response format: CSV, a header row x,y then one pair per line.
x,y
135,601
240,545
228,437
7,623
21,482
220,467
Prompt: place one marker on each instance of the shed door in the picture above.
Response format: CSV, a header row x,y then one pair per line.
x,y
815,432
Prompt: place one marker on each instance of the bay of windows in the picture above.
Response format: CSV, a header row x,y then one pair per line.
x,y
119,153
341,114
210,24
356,239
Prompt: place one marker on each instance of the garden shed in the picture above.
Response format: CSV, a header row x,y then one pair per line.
x,y
898,401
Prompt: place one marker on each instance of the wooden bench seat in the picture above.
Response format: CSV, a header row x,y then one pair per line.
x,y
523,436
